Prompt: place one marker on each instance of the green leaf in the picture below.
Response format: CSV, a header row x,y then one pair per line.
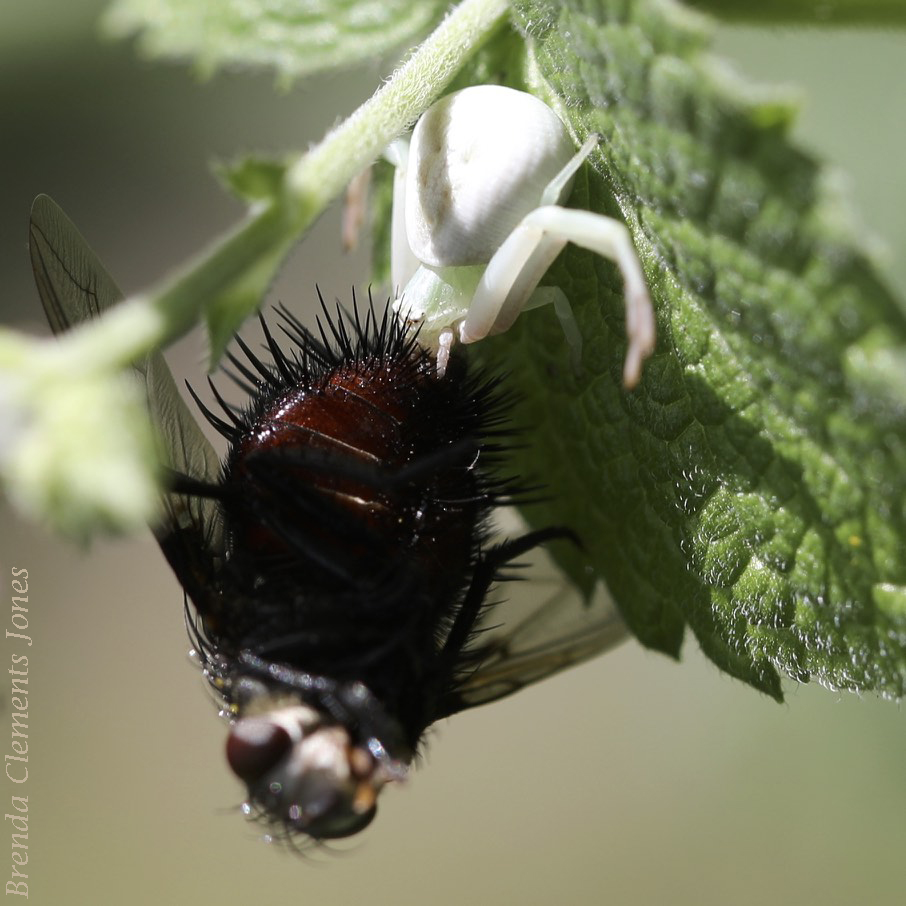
x,y
254,179
807,12
292,37
754,486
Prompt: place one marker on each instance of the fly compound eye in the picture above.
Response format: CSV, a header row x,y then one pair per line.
x,y
254,746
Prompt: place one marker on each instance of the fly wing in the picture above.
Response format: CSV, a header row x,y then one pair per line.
x,y
75,287
539,626
72,282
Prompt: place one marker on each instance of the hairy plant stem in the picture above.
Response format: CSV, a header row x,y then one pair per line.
x,y
154,319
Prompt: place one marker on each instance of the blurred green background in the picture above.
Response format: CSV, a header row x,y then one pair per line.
x,y
627,780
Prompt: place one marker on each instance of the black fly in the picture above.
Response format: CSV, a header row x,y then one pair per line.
x,y
337,564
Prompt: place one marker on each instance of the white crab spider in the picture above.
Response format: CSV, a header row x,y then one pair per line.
x,y
477,223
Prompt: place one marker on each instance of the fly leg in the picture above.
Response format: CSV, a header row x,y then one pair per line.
x,y
486,571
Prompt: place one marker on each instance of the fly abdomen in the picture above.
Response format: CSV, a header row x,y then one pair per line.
x,y
352,474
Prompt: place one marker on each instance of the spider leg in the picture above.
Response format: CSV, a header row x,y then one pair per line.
x,y
512,275
521,261
558,188
403,264
553,295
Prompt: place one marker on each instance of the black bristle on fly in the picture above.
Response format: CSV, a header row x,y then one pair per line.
x,y
354,499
